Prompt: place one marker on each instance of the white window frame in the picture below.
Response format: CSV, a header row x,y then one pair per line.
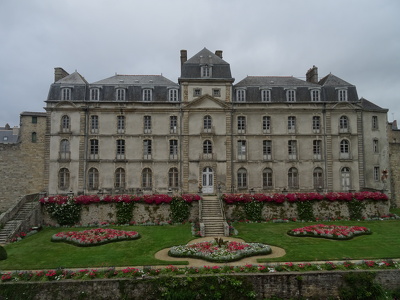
x,y
265,95
315,95
267,149
292,149
267,178
65,123
241,124
207,123
291,124
173,124
240,95
173,95
119,178
120,124
293,178
316,124
94,94
173,149
147,180
242,178
344,124
66,93
120,148
318,178
147,149
94,149
147,95
63,179
93,179
241,149
65,151
342,95
120,94
173,178
291,95
266,124
94,124
206,71
147,124
216,92
344,149
317,149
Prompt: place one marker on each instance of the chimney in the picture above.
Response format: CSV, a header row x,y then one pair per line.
x,y
183,57
59,73
312,75
7,127
218,53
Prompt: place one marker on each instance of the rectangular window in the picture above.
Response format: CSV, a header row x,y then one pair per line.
x,y
147,95
173,149
173,124
374,122
216,92
291,96
147,124
205,71
376,173
267,179
375,144
267,150
317,144
315,95
173,95
94,149
316,124
147,149
292,149
241,148
291,124
266,95
342,95
241,124
120,94
240,95
197,92
120,124
94,124
94,94
266,124
66,94
34,120
120,149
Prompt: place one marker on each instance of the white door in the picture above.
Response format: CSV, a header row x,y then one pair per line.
x,y
208,181
345,179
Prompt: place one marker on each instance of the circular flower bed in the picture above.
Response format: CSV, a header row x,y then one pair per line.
x,y
219,250
330,231
94,237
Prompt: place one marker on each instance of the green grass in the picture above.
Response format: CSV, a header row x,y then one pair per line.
x,y
38,252
384,242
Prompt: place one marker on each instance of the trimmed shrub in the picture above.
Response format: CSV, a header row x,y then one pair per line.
x,y
3,253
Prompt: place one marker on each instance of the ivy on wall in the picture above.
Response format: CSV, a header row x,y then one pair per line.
x,y
356,209
67,213
179,210
253,210
305,211
124,212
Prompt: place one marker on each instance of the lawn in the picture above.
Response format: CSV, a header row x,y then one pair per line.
x,y
38,252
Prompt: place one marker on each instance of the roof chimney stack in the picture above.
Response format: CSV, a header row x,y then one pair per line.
x,y
312,75
59,73
218,53
183,57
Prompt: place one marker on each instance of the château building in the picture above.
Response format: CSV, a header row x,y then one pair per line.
x,y
131,133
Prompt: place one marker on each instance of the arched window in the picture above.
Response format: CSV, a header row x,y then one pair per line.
x,y
64,149
345,179
34,137
63,179
207,123
343,124
147,178
119,178
293,178
65,123
318,179
344,149
207,147
93,179
173,178
267,178
242,178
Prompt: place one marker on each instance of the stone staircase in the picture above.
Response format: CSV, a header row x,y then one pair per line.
x,y
14,225
212,216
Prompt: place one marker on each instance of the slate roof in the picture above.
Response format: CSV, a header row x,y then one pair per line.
x,y
7,136
332,80
368,105
74,78
136,80
205,56
270,81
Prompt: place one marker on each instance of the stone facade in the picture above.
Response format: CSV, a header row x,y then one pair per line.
x,y
22,163
265,133
394,155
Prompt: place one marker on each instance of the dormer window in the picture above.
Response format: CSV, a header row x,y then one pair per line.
x,y
291,96
66,94
94,94
315,96
342,95
205,71
120,94
173,95
240,95
147,95
266,95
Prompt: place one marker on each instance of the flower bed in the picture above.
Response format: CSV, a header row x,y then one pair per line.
x,y
330,231
219,251
94,237
301,197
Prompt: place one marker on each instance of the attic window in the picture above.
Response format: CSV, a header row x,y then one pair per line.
x,y
5,138
120,94
205,71
94,94
342,95
147,95
66,94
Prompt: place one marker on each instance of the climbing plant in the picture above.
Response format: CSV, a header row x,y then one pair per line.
x,y
179,210
305,211
356,209
124,212
253,210
67,213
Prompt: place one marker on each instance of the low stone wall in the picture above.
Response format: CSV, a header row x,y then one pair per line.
x,y
107,212
321,210
293,285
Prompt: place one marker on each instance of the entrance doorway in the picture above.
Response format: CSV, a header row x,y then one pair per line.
x,y
208,181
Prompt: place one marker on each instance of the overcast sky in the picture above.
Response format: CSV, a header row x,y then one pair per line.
x,y
357,40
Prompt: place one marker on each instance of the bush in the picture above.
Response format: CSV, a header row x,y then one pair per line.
x,y
3,253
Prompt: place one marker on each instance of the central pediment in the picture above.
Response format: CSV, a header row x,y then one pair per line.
x,y
206,102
